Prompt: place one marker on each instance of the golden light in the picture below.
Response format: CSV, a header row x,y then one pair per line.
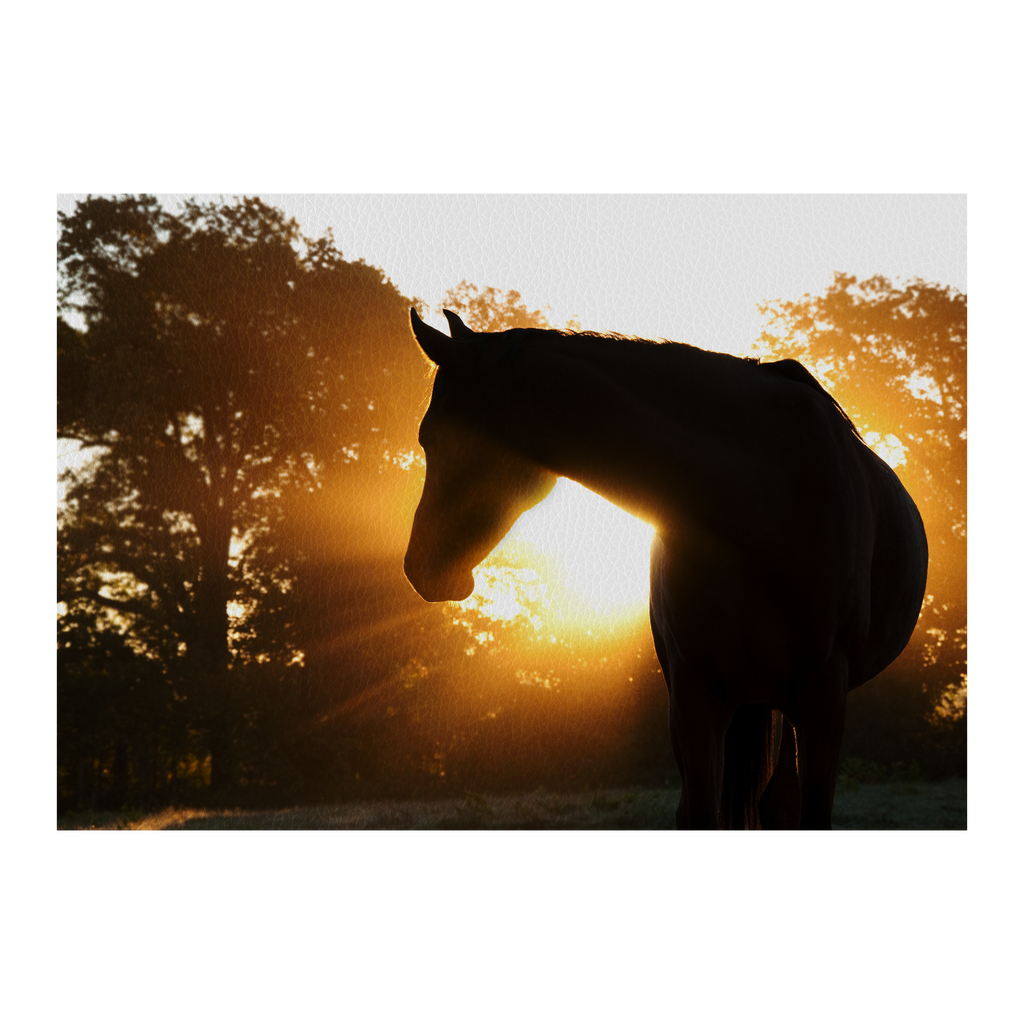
x,y
889,448
573,562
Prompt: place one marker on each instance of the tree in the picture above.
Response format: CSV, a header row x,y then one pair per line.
x,y
227,366
492,309
896,360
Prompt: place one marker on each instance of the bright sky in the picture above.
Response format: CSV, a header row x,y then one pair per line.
x,y
687,268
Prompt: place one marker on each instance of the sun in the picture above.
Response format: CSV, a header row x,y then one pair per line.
x,y
574,562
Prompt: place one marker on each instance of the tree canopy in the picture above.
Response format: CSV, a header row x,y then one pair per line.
x,y
895,357
492,309
227,365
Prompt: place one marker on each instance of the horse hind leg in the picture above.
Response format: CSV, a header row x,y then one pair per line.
x,y
819,736
748,766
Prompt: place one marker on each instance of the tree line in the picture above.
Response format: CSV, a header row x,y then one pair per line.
x,y
233,621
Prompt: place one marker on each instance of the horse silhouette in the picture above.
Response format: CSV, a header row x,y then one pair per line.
x,y
788,564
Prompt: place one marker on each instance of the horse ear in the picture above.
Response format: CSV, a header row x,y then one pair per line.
x,y
455,325
439,347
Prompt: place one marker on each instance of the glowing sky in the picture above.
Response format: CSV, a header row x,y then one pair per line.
x,y
688,268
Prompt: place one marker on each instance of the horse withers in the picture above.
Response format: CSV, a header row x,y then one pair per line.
x,y
788,564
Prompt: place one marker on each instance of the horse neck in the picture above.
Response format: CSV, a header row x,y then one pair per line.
x,y
613,422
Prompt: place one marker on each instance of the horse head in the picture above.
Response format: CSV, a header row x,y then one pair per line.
x,y
476,485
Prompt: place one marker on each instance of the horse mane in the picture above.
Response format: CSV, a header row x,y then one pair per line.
x,y
627,347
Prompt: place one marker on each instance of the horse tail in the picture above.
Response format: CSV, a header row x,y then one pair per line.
x,y
749,750
779,806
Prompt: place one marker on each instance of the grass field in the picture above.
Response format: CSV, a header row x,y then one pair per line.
x,y
858,805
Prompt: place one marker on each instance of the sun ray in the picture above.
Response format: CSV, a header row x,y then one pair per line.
x,y
575,562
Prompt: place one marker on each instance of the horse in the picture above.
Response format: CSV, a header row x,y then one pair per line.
x,y
788,564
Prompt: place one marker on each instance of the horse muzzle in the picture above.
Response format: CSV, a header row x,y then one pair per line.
x,y
434,587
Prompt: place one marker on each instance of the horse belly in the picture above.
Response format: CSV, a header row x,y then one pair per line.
x,y
899,570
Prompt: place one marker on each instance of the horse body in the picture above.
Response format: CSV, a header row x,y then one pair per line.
x,y
788,564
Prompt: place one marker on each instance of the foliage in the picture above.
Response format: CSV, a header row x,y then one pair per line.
x,y
123,727
492,310
896,360
228,365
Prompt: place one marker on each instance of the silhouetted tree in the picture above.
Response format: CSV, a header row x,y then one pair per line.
x,y
896,359
118,727
492,309
227,365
